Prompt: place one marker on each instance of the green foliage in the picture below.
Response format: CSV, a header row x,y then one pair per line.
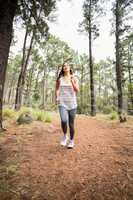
x,y
130,87
92,10
130,108
84,109
107,109
39,115
8,113
35,15
99,102
25,110
51,107
48,117
42,116
26,115
48,66
113,115
36,97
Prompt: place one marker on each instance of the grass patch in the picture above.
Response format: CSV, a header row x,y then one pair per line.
x,y
113,116
35,114
42,116
48,118
39,115
107,110
8,113
25,110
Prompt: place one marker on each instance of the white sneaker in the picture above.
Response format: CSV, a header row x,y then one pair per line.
x,y
64,141
70,144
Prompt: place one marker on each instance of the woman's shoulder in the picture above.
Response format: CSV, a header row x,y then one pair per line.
x,y
59,78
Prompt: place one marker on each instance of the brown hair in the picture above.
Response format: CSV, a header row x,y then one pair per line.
x,y
62,71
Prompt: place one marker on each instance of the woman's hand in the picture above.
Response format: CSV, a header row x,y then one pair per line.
x,y
74,82
57,92
57,101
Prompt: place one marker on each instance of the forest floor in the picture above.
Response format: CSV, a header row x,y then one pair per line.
x,y
33,165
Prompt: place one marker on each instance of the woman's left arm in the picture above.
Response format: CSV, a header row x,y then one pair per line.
x,y
75,84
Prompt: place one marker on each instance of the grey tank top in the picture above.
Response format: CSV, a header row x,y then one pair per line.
x,y
67,95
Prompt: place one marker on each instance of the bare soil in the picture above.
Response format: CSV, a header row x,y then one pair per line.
x,y
33,165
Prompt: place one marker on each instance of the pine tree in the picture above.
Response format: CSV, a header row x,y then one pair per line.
x,y
8,10
120,10
91,11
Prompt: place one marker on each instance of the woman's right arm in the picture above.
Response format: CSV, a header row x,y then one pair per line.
x,y
57,90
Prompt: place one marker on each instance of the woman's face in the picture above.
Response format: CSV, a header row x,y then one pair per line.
x,y
66,67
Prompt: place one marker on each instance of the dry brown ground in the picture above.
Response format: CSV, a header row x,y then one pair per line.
x,y
34,166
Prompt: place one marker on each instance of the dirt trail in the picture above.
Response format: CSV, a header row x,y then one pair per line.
x,y
100,167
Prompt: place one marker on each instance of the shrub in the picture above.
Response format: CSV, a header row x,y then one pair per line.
x,y
28,114
39,115
113,115
25,110
8,113
48,117
107,110
84,109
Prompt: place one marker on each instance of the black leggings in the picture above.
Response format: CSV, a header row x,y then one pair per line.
x,y
67,116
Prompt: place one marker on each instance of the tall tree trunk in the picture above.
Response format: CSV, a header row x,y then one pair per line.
x,y
93,105
18,98
10,89
36,82
44,88
7,13
29,86
10,83
105,93
99,83
130,96
81,89
21,79
118,64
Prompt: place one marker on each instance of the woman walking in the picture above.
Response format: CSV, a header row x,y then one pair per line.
x,y
66,89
